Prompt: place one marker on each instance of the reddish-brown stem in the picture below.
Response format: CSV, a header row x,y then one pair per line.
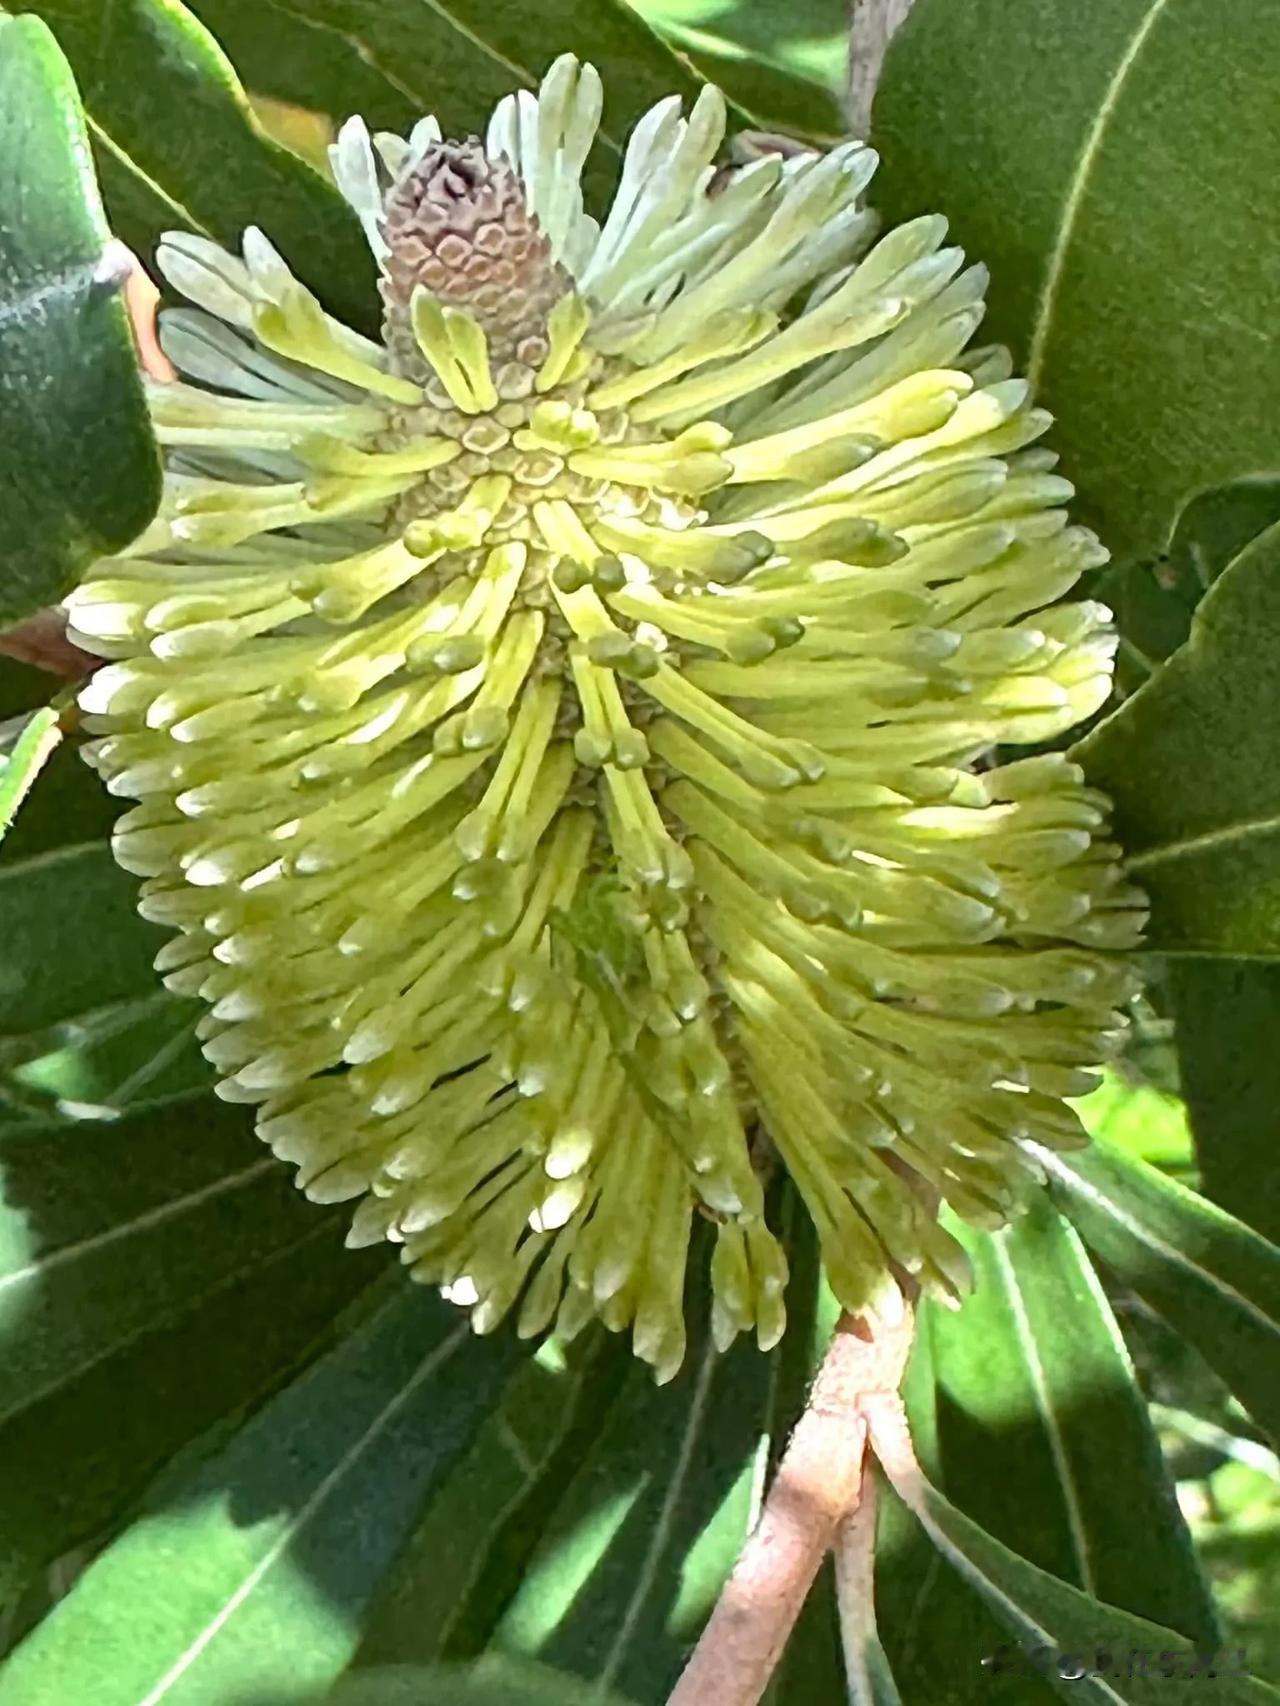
x,y
816,1488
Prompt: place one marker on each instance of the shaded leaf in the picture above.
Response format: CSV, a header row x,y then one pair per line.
x,y
136,1051
1189,762
394,60
32,748
1075,149
1032,1373
73,940
79,471
255,1571
1086,1650
1009,1397
644,1534
494,1681
806,38
1227,1014
472,1544
132,1254
1154,602
83,1017
1211,1277
178,146
1228,1018
931,1621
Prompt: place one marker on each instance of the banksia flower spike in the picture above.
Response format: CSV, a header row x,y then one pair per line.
x,y
572,734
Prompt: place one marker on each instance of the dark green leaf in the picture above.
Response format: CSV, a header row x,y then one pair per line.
x,y
1031,1374
1089,1652
1114,162
644,1534
73,943
137,1051
1154,602
494,1681
79,472
1227,1013
473,1542
1228,1019
1190,764
398,59
931,1622
178,146
32,748
255,1572
783,61
1009,1397
1211,1277
132,1255
83,1017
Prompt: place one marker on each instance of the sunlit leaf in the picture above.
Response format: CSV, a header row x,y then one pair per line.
x,y
1209,1275
79,472
1076,148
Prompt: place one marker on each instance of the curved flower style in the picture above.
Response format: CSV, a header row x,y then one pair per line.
x,y
570,733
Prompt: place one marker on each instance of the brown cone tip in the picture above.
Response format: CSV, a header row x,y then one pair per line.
x,y
459,224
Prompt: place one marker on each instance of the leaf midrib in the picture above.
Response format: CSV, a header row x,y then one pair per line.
x,y
1047,301
290,1531
1026,1337
1054,1164
145,1222
1189,846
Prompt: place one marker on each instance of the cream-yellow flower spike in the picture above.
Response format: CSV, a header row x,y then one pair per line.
x,y
571,735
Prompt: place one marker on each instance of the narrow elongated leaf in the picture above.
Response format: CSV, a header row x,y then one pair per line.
x,y
177,145
1190,764
79,471
1032,1373
129,1253
1155,602
593,1518
1211,1277
645,1532
1086,1650
1009,1397
73,942
134,1052
778,100
494,1681
254,1573
395,60
931,1621
1227,1014
784,63
473,1542
1075,147
35,744
808,37
83,1017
